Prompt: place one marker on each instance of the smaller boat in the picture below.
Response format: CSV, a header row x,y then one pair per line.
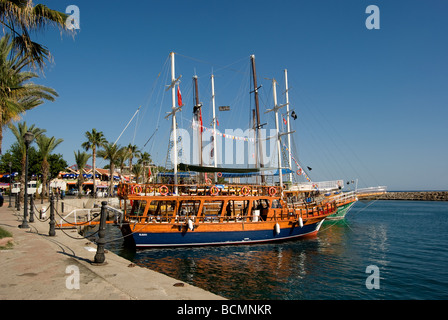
x,y
344,202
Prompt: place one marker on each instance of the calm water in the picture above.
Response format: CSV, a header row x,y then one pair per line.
x,y
406,240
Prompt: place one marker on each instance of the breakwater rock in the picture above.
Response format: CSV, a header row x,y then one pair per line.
x,y
413,195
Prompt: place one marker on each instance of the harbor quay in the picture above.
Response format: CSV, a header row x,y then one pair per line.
x,y
62,267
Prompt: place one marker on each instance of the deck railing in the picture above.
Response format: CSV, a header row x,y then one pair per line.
x,y
372,190
125,190
255,215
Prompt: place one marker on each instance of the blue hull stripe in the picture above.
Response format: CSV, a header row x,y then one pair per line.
x,y
192,238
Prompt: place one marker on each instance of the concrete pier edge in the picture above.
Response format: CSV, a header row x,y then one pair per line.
x,y
40,267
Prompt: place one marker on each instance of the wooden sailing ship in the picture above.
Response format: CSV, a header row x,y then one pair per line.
x,y
216,215
160,215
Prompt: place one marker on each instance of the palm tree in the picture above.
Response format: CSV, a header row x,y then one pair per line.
x,y
112,153
132,151
137,170
17,93
122,157
46,147
94,139
21,17
19,133
81,159
145,160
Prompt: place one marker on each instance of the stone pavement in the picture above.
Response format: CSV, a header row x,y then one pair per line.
x,y
40,267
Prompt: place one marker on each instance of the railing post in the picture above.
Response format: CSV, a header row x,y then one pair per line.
x,y
52,232
99,256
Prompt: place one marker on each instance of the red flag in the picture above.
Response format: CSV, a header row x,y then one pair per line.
x,y
284,120
217,122
200,120
149,172
179,97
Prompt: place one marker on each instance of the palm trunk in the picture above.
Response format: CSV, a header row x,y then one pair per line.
x,y
94,170
45,166
130,168
1,132
80,182
22,177
111,178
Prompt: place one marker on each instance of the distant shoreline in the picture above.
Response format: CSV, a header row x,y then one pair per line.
x,y
412,195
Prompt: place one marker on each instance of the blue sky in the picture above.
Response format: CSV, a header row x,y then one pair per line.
x,y
372,104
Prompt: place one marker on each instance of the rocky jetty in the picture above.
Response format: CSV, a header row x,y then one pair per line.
x,y
413,195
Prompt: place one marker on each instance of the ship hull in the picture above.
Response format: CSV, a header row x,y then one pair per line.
x,y
187,238
342,211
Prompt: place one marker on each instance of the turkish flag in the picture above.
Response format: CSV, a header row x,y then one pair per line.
x,y
179,97
284,121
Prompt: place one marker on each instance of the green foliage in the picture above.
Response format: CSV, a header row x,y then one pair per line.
x,y
13,155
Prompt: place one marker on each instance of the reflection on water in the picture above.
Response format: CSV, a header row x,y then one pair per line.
x,y
263,271
331,265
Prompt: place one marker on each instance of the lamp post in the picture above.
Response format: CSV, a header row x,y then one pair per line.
x,y
28,137
10,189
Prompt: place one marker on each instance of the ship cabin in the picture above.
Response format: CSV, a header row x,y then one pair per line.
x,y
205,204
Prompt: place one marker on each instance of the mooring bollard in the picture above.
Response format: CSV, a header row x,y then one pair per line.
x,y
99,256
52,232
31,208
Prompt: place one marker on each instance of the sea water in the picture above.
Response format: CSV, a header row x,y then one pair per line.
x,y
381,250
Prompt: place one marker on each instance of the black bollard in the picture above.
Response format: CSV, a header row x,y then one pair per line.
x,y
99,256
52,232
31,208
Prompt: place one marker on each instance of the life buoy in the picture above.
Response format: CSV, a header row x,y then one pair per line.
x,y
214,190
219,174
272,191
299,172
134,189
208,181
245,190
162,190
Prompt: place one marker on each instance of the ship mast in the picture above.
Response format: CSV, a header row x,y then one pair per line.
x,y
287,123
278,134
257,111
215,154
279,151
198,117
174,109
